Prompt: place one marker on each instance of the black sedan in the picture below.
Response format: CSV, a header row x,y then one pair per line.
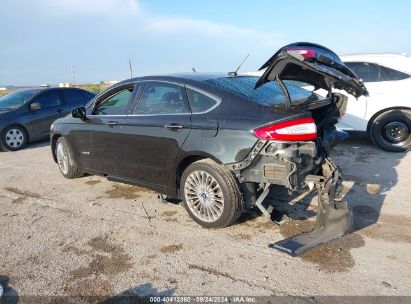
x,y
26,115
219,141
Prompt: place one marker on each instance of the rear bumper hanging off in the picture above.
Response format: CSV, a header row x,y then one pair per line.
x,y
334,218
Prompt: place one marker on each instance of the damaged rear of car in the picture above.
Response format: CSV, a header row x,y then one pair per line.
x,y
294,153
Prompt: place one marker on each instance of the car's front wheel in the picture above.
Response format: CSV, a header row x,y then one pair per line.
x,y
211,194
66,160
391,130
13,138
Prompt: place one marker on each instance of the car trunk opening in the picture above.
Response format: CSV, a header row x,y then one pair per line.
x,y
298,162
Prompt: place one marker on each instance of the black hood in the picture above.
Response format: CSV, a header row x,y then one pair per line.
x,y
312,64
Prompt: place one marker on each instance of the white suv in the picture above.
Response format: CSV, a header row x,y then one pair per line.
x,y
386,113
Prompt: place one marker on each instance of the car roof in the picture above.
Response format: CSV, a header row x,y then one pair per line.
x,y
397,62
43,89
181,77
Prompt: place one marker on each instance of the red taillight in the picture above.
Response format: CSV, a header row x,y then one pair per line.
x,y
293,130
306,53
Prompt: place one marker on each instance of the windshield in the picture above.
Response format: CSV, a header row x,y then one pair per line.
x,y
14,100
268,94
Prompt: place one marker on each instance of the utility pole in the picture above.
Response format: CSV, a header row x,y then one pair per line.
x,y
72,75
130,67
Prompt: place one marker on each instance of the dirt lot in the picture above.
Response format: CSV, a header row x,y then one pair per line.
x,y
90,236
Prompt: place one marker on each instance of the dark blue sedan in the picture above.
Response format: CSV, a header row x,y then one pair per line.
x,y
26,116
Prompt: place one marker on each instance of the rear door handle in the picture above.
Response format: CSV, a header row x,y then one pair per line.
x,y
112,123
173,127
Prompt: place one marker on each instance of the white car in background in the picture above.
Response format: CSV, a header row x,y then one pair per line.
x,y
386,113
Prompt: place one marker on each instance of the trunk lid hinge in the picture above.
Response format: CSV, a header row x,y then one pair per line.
x,y
284,90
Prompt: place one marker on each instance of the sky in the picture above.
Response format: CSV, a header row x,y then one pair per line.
x,y
42,39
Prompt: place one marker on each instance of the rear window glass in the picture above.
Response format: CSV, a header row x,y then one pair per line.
x,y
73,96
268,94
87,95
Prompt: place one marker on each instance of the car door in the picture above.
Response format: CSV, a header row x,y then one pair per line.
x,y
43,109
155,131
106,125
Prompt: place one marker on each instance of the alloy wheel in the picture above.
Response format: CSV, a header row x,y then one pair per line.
x,y
62,158
204,196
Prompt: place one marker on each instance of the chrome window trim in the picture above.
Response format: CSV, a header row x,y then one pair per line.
x,y
132,115
208,94
97,99
218,100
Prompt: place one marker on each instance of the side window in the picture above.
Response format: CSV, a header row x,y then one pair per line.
x,y
368,72
115,104
161,98
199,102
391,74
48,99
73,96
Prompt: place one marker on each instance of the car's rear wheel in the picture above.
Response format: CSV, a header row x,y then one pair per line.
x,y
13,138
65,159
211,194
391,131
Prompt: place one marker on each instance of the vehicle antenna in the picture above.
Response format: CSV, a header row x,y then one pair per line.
x,y
234,74
130,67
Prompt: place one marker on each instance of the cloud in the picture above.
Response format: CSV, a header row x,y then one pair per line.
x,y
98,36
161,24
152,23
93,7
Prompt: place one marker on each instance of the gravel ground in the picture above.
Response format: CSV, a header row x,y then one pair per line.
x,y
89,236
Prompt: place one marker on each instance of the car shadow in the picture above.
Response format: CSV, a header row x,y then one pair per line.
x,y
37,144
9,296
140,294
34,145
368,173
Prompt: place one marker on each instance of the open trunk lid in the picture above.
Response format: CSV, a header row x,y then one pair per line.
x,y
313,64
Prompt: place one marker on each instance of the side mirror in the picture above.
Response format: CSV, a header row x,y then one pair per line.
x,y
35,106
79,113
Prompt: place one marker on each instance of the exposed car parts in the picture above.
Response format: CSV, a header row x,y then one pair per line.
x,y
334,219
297,166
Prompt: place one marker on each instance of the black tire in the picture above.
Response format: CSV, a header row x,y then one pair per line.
x,y
70,169
391,130
13,138
232,200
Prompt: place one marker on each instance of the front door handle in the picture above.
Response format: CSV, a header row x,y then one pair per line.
x,y
112,123
173,127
